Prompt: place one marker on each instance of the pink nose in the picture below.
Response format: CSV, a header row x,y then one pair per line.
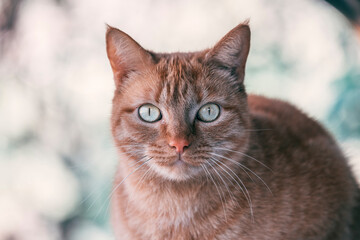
x,y
179,144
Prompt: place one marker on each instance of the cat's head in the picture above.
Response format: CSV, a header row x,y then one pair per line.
x,y
179,111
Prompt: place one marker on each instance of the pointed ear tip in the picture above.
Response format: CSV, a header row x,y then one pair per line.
x,y
114,33
243,28
244,25
109,29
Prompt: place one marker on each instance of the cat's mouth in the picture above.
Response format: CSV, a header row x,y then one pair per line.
x,y
177,161
177,168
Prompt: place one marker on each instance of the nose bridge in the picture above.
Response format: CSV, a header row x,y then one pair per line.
x,y
178,125
179,132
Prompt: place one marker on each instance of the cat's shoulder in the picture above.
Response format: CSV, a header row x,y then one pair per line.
x,y
281,114
275,107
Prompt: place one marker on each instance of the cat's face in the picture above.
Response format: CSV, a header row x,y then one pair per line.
x,y
178,112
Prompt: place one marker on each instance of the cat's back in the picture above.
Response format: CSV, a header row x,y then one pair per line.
x,y
287,136
303,155
284,117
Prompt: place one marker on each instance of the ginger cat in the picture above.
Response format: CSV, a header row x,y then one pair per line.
x,y
201,159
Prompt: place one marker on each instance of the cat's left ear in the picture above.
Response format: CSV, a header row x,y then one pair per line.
x,y
230,53
125,54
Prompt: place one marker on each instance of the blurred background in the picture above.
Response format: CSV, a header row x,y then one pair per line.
x,y
57,158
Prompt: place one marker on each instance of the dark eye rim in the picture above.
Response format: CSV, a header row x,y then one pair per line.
x,y
197,114
156,120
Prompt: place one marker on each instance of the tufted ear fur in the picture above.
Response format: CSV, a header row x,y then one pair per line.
x,y
125,54
229,55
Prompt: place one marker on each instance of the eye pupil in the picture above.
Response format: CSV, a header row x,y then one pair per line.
x,y
149,113
208,112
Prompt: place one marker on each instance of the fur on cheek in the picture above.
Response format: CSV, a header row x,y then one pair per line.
x,y
141,132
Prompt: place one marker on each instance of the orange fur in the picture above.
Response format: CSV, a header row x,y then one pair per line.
x,y
261,170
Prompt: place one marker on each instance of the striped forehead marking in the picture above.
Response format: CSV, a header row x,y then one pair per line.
x,y
178,78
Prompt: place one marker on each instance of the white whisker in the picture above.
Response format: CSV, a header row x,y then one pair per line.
x,y
257,130
136,186
242,168
246,192
239,164
217,189
119,184
244,154
226,186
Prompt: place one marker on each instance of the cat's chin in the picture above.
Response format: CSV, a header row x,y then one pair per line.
x,y
177,171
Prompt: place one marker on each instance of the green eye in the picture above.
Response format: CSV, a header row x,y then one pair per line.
x,y
149,113
209,112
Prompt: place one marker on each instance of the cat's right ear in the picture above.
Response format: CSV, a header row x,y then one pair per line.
x,y
230,53
125,54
